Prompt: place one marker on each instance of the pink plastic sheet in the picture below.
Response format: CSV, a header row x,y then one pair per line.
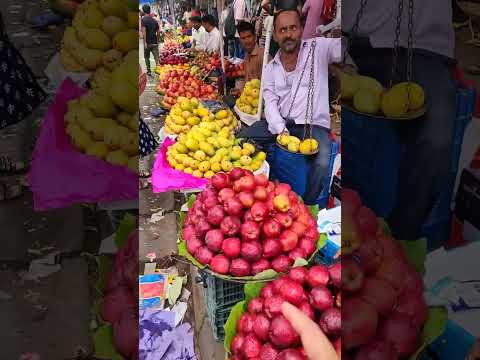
x,y
60,175
164,178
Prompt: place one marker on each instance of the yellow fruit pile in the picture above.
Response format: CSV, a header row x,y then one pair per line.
x,y
104,122
369,97
295,145
102,32
208,148
187,113
248,101
163,69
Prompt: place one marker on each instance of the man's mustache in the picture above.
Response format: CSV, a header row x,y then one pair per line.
x,y
288,40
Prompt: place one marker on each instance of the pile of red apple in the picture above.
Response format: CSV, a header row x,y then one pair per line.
x,y
177,83
234,70
264,333
383,308
172,60
243,224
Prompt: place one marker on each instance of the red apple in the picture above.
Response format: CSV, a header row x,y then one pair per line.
x,y
284,219
246,198
359,322
260,193
283,189
272,228
288,239
352,275
261,180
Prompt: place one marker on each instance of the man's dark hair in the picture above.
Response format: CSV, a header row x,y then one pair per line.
x,y
244,26
277,14
146,9
195,19
209,19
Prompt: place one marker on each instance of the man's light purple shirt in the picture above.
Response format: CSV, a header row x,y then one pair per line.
x,y
278,95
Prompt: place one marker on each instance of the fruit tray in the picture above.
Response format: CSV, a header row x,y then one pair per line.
x,y
411,115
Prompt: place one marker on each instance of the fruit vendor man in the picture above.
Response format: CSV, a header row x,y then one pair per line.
x,y
428,140
286,113
253,63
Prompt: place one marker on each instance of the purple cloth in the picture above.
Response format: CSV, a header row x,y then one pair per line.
x,y
278,90
160,340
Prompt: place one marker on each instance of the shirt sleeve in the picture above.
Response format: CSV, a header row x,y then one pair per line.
x,y
276,123
334,51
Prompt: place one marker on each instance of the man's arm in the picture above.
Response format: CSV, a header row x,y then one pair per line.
x,y
276,123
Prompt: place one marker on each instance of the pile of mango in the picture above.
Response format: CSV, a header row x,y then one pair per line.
x,y
102,33
210,146
104,122
369,96
187,113
250,98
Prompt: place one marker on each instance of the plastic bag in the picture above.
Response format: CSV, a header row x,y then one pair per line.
x,y
60,175
164,178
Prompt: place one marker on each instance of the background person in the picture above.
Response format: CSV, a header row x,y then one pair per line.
x,y
253,64
214,39
312,9
286,114
150,35
199,34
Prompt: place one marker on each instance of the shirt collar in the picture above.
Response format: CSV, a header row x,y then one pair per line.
x,y
277,60
255,51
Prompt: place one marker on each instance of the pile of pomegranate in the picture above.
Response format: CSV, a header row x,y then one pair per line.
x,y
120,303
383,308
243,224
264,333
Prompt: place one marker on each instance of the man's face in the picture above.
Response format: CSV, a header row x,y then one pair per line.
x,y
207,27
197,25
288,31
247,39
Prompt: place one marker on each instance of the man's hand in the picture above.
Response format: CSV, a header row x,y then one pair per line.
x,y
285,132
316,344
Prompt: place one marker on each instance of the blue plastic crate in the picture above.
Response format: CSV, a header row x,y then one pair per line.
x,y
293,169
218,318
220,297
375,152
221,294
